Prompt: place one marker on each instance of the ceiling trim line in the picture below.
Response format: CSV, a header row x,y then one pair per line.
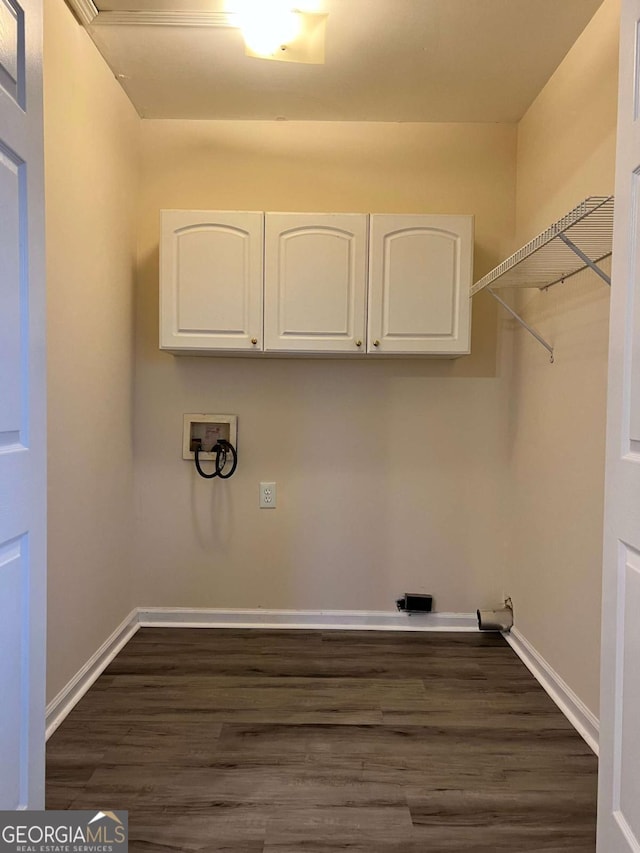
x,y
85,10
160,18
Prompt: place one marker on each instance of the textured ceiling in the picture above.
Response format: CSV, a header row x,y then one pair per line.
x,y
386,60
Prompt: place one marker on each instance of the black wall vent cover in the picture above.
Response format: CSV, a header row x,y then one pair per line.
x,y
413,602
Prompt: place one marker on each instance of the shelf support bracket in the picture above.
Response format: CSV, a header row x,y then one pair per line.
x,y
587,260
523,323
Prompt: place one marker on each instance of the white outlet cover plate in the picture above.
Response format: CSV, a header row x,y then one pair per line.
x,y
268,495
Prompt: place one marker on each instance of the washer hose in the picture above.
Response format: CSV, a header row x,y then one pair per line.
x,y
222,448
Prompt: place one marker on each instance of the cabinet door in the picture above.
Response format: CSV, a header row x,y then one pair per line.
x,y
420,269
315,282
211,280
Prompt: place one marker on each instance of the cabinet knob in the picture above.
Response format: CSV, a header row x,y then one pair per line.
x,y
358,343
254,341
376,343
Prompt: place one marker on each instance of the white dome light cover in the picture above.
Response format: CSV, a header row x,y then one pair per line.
x,y
273,30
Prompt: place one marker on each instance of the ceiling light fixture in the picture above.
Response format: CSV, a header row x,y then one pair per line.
x,y
272,29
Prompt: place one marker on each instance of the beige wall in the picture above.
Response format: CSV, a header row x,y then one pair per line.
x,y
392,476
566,151
91,185
389,474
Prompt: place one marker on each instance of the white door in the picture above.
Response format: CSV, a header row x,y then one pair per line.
x,y
420,269
619,793
315,282
211,280
22,408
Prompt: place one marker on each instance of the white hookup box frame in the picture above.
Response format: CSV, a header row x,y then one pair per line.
x,y
208,428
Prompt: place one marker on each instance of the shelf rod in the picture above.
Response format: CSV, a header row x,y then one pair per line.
x,y
585,258
525,325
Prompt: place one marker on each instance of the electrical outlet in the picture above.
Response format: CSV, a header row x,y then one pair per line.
x,y
267,495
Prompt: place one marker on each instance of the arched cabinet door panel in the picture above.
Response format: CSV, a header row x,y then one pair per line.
x,y
211,280
315,282
420,271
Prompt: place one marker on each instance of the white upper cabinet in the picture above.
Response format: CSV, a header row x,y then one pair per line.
x,y
420,272
322,283
211,280
315,282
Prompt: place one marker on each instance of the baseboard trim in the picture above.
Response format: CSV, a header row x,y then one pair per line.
x,y
187,617
346,620
72,693
585,723
574,709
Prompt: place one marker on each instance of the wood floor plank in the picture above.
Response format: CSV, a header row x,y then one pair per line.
x,y
346,823
456,842
250,699
513,705
282,785
154,742
532,810
221,827
233,741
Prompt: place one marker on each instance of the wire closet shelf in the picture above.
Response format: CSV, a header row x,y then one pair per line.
x,y
580,240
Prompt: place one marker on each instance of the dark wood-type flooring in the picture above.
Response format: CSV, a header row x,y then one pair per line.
x,y
316,742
